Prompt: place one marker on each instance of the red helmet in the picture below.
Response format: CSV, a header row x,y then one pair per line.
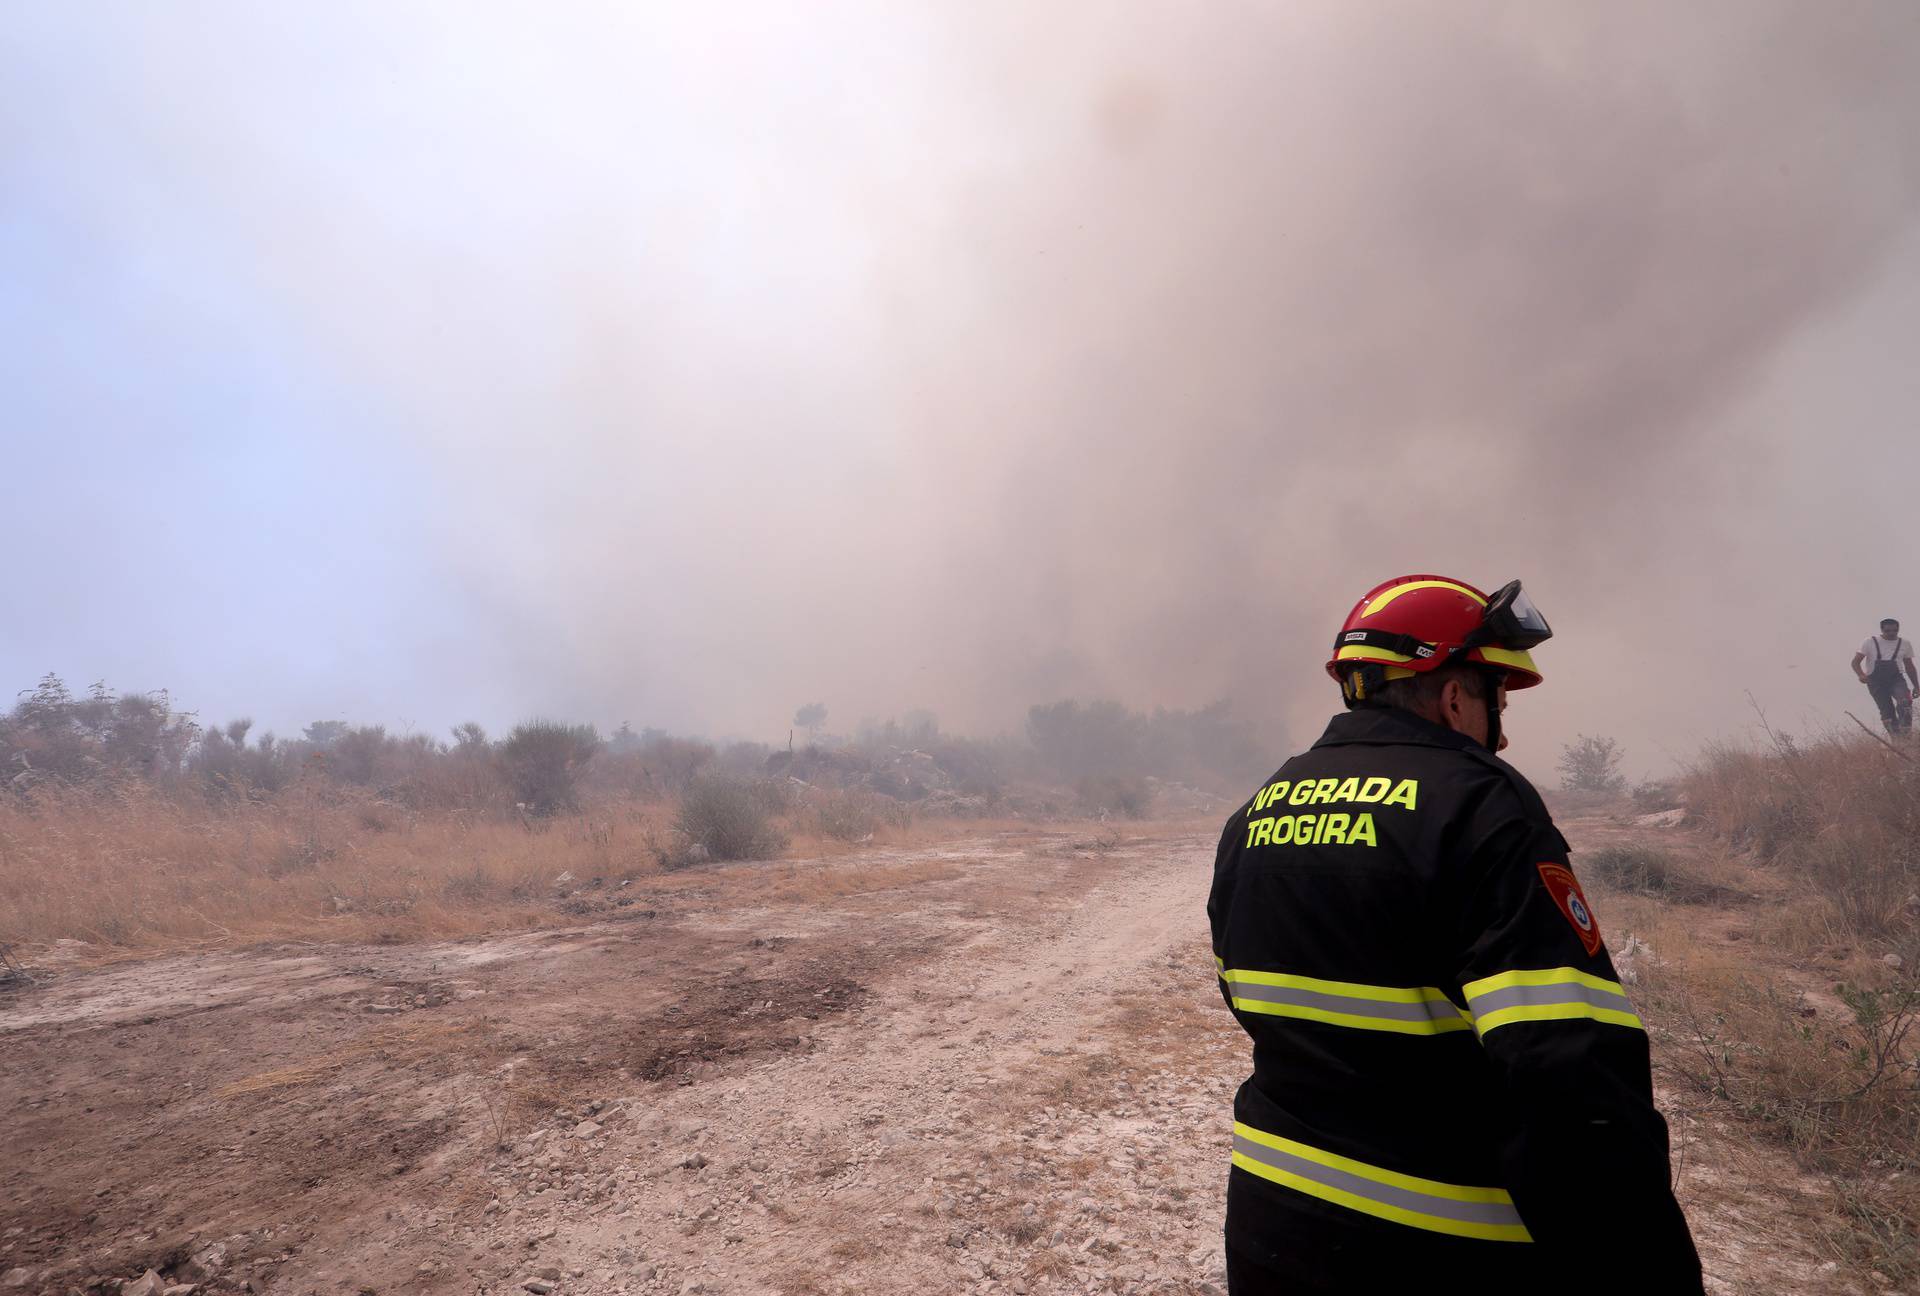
x,y
1413,624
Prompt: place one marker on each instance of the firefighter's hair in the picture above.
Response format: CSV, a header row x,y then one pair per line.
x,y
1421,693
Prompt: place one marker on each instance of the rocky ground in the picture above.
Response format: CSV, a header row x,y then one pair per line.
x,y
1000,1067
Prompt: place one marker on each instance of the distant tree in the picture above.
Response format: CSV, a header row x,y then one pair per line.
x,y
1589,764
469,737
1078,741
50,733
920,727
811,717
543,760
354,756
325,733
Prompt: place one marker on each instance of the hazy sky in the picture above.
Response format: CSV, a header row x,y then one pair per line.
x,y
679,364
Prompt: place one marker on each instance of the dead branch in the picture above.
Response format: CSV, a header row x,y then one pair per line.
x,y
1876,737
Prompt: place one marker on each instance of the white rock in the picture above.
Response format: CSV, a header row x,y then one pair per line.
x,y
147,1284
1893,961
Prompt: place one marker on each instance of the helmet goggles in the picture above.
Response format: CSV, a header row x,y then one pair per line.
x,y
1511,621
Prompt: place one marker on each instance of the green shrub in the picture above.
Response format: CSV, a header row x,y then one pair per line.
x,y
1115,794
844,816
729,817
1589,764
543,760
1646,871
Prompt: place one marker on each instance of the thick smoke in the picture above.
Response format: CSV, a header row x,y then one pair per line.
x,y
1002,352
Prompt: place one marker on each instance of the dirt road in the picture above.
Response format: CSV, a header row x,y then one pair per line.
x,y
1000,1066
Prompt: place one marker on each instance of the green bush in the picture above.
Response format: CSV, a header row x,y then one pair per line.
x,y
729,817
844,816
1589,764
1646,871
543,760
1115,794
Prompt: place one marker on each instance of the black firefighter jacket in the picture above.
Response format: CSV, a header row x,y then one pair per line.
x,y
1450,1089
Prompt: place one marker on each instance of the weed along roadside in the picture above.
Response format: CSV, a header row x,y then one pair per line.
x,y
1773,941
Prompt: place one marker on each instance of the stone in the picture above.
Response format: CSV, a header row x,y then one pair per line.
x,y
205,1263
16,1277
1663,818
586,1129
1893,961
564,879
181,1289
147,1284
538,1286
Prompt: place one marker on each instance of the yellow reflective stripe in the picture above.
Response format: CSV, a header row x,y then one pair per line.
x,y
1379,1174
1555,1012
1303,1012
1388,596
1353,651
1385,1210
1513,657
1457,1209
1351,989
1538,976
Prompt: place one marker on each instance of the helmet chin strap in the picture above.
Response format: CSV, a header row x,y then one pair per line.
x,y
1493,681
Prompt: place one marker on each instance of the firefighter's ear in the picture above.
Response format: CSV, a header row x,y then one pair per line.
x,y
1462,711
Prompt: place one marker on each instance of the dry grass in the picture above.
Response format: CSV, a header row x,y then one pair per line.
x,y
133,869
1840,817
789,884
1823,1056
408,1038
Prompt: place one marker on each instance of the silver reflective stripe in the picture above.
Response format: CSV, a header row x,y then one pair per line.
x,y
1500,1214
1531,996
1547,995
1428,1010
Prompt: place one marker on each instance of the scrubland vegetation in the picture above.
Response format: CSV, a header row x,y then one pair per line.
x,y
1791,1005
126,823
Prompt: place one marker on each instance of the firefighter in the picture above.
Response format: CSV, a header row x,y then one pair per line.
x,y
1450,1089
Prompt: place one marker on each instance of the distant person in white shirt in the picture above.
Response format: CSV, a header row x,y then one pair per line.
x,y
1883,657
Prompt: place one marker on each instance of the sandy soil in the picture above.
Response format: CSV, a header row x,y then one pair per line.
x,y
1001,1067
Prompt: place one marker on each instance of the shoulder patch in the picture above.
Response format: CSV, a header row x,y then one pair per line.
x,y
1564,887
